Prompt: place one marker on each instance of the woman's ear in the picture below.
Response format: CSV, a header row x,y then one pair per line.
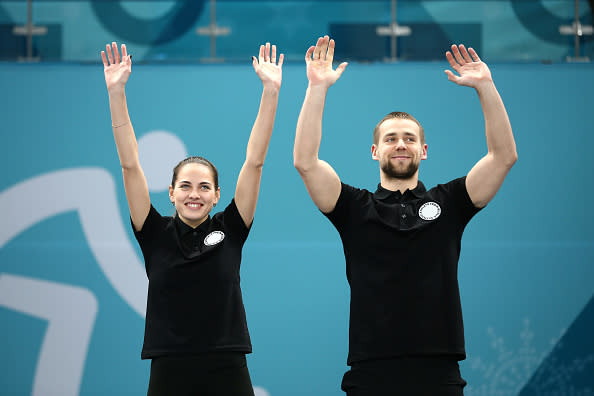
x,y
171,199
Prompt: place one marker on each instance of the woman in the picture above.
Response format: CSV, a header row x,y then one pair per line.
x,y
195,332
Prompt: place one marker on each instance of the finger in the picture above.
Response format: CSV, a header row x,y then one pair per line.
x,y
267,53
124,51
324,50
474,54
330,54
451,60
116,53
464,54
109,54
261,54
273,55
281,59
341,69
457,55
104,59
255,63
308,54
316,54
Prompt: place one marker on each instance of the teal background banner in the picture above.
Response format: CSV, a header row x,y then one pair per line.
x,y
72,282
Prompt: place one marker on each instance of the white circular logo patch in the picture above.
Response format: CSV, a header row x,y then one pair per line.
x,y
213,238
429,211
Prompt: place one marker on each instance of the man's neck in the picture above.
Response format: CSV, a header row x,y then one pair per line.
x,y
401,185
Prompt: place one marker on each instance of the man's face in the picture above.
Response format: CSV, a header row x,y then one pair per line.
x,y
399,149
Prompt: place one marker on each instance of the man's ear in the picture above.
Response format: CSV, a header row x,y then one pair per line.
x,y
424,152
374,152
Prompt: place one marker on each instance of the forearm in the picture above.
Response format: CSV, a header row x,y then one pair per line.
x,y
259,140
309,128
500,139
123,132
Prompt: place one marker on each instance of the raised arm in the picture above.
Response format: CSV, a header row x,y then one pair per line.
x,y
321,181
485,178
248,182
117,70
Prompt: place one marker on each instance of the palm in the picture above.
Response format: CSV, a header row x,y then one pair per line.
x,y
472,73
471,70
320,71
270,74
319,63
117,74
116,69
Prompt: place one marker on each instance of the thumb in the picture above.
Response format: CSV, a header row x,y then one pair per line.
x,y
340,69
451,76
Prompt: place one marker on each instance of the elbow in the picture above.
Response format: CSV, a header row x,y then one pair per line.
x,y
255,163
512,159
506,159
301,165
129,165
126,166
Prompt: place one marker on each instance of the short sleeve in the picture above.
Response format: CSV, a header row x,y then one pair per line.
x,y
348,195
458,194
152,227
232,220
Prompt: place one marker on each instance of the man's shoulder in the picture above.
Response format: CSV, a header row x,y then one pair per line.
x,y
354,193
450,187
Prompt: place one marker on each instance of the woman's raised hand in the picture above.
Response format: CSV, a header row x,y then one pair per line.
x,y
267,68
116,69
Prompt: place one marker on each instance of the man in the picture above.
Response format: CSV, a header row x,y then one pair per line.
x,y
402,243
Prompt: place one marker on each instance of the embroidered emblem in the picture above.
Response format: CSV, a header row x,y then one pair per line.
x,y
213,238
429,211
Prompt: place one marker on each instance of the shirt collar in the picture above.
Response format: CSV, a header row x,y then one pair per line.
x,y
183,229
382,193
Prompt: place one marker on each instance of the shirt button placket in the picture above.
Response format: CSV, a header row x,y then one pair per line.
x,y
196,241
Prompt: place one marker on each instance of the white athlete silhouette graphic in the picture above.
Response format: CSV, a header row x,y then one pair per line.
x,y
71,310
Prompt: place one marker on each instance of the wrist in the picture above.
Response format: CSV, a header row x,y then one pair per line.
x,y
116,91
270,89
484,85
318,88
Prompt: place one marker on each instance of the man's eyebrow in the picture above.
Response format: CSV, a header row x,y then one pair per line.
x,y
406,133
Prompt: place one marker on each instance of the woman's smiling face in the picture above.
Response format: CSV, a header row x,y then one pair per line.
x,y
194,193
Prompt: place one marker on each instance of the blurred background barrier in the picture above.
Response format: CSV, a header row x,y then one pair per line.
x,y
224,30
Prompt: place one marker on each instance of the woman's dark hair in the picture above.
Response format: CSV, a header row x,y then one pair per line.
x,y
196,160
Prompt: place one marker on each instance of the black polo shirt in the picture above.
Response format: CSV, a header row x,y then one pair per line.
x,y
402,255
194,300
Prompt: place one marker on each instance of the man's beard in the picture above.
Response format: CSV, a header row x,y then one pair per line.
x,y
390,170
